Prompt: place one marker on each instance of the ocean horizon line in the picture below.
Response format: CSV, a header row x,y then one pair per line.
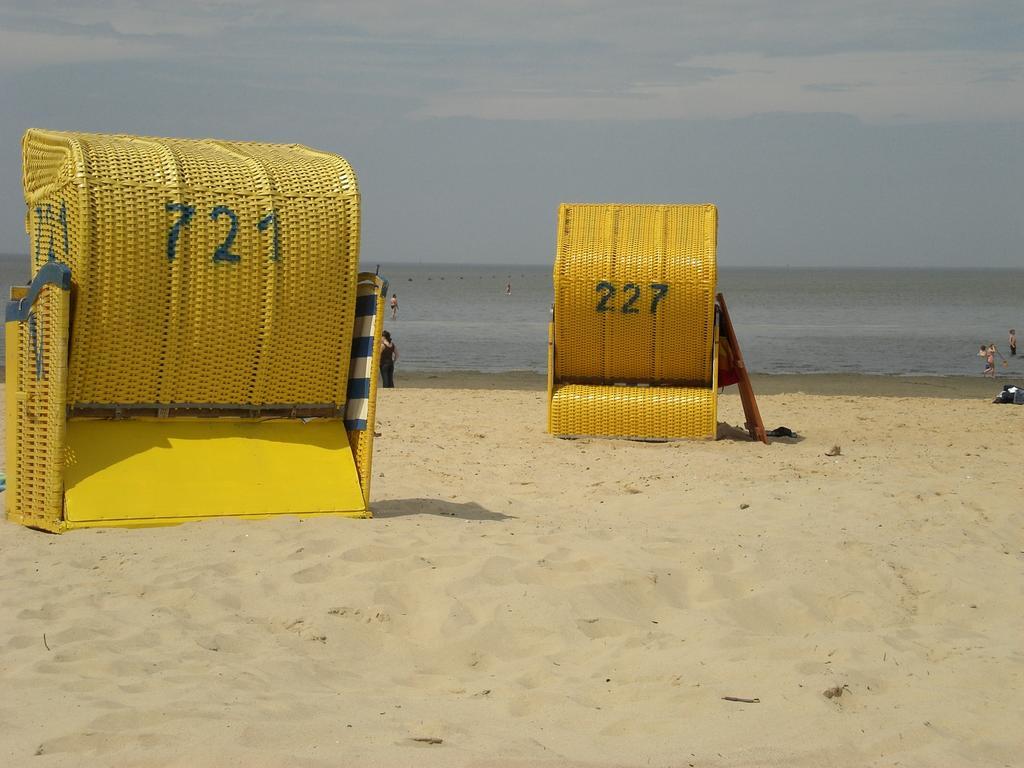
x,y
365,264
726,267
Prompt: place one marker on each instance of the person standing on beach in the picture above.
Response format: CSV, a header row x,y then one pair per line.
x,y
1013,343
508,286
394,306
388,358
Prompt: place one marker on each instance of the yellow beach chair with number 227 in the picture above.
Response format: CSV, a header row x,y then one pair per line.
x,y
635,348
195,341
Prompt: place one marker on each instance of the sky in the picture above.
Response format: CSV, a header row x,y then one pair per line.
x,y
834,133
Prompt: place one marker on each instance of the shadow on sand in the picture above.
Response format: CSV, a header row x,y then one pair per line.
x,y
739,434
469,510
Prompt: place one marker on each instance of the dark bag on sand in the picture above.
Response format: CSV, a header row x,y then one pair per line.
x,y
1012,393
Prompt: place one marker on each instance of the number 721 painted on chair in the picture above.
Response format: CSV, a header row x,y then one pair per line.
x,y
222,253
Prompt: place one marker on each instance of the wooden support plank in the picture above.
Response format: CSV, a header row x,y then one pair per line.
x,y
753,416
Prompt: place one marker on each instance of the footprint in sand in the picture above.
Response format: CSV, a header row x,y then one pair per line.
x,y
314,548
605,627
17,642
303,630
222,643
373,553
95,742
312,575
46,612
367,615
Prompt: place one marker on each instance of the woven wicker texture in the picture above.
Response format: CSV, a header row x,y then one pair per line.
x,y
205,272
635,293
36,363
635,306
649,412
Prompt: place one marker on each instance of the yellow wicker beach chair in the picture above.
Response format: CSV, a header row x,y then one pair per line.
x,y
196,341
634,337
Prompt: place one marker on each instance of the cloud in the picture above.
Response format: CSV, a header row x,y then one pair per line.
x,y
875,87
571,59
1007,74
833,87
23,50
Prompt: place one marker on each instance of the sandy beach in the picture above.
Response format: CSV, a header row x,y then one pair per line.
x,y
525,601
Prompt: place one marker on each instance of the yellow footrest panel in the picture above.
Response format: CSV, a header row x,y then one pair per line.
x,y
157,471
630,411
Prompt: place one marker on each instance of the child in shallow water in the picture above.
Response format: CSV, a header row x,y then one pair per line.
x,y
989,355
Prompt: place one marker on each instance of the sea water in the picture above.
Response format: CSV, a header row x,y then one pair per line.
x,y
888,321
903,322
